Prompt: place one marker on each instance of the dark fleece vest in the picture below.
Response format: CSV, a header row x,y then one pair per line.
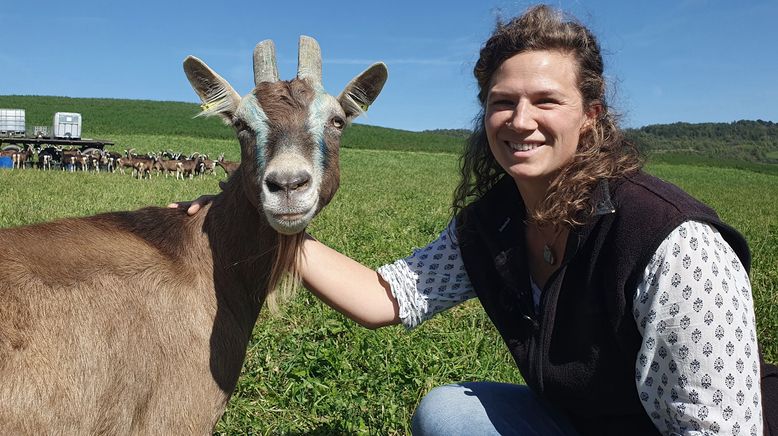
x,y
579,352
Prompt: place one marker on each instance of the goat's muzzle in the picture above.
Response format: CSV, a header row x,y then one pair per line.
x,y
290,199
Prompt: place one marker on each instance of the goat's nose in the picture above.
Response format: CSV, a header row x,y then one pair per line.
x,y
288,181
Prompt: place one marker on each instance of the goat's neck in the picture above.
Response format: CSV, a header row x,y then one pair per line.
x,y
243,248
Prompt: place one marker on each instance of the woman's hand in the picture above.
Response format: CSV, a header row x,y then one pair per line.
x,y
192,207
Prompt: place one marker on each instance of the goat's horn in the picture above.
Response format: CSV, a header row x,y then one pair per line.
x,y
309,59
265,69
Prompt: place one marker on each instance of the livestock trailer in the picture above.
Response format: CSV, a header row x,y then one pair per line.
x,y
65,132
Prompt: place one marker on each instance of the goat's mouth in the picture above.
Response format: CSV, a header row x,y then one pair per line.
x,y
289,216
289,222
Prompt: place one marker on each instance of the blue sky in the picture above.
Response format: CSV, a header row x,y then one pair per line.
x,y
667,61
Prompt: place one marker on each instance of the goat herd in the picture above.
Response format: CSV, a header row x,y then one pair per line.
x,y
140,165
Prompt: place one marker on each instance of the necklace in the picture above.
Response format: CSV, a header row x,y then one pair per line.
x,y
548,255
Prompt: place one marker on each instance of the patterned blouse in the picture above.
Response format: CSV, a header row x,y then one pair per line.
x,y
697,371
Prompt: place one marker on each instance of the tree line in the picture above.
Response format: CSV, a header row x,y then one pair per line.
x,y
744,140
753,141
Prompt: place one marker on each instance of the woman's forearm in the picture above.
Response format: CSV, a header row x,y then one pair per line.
x,y
347,286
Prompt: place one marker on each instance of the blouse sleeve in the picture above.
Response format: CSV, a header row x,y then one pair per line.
x,y
430,280
697,371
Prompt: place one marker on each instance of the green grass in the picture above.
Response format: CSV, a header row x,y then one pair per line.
x,y
310,370
697,160
31,196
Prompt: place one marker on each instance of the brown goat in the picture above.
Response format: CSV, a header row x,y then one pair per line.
x,y
21,157
228,166
155,343
169,166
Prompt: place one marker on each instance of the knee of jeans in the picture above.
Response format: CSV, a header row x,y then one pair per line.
x,y
437,410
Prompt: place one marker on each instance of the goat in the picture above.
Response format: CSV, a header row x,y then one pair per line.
x,y
155,343
45,162
141,164
47,155
168,166
111,157
93,159
84,162
20,158
209,167
15,160
102,162
191,167
142,169
122,163
69,159
229,167
134,160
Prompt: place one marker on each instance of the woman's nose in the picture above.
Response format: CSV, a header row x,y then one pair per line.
x,y
522,118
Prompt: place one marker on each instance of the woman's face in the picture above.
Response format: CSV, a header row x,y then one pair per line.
x,y
534,115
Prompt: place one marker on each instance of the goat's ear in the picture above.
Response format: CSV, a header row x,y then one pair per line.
x,y
217,96
362,91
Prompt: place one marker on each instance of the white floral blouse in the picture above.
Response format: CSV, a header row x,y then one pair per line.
x,y
697,371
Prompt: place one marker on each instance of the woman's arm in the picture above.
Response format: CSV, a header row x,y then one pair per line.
x,y
698,367
409,290
347,286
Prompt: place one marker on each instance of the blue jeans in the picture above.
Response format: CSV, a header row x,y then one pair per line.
x,y
486,408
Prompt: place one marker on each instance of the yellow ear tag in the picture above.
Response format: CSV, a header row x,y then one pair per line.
x,y
363,107
206,106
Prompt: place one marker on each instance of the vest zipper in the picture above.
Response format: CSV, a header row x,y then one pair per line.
x,y
541,327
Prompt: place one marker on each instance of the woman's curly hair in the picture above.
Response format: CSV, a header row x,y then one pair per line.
x,y
602,152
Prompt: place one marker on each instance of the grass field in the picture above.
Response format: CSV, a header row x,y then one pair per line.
x,y
310,370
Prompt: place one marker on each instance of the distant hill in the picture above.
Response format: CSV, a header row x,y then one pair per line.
x,y
457,133
103,118
750,141
753,141
382,138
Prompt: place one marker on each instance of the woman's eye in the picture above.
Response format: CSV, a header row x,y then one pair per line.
x,y
546,102
500,106
502,103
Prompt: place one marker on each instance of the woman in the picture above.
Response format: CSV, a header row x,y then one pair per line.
x,y
625,303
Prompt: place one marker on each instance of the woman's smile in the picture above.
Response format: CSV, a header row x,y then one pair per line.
x,y
523,146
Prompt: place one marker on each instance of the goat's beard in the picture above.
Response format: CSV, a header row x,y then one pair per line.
x,y
285,274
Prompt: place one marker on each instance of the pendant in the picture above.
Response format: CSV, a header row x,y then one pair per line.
x,y
548,256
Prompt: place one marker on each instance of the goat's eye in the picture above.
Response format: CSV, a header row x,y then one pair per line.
x,y
337,122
